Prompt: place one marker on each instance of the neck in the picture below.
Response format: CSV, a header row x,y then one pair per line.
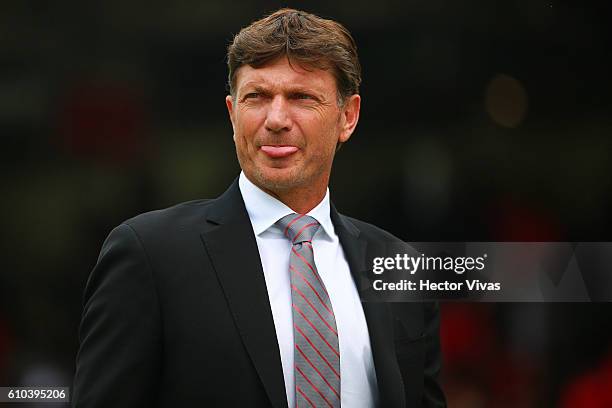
x,y
300,200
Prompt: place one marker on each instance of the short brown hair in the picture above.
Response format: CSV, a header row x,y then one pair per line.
x,y
302,37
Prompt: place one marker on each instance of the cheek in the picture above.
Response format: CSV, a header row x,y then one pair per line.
x,y
249,120
323,135
244,129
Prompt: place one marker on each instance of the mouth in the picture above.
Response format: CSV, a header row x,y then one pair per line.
x,y
278,151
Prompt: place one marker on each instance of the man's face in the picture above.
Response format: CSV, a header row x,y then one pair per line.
x,y
287,123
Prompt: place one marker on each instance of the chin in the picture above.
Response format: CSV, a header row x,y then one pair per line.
x,y
279,179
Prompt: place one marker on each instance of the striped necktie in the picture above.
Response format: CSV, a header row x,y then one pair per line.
x,y
316,351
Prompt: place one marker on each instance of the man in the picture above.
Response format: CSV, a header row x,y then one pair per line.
x,y
249,300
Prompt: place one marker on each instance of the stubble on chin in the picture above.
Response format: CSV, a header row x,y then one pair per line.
x,y
279,183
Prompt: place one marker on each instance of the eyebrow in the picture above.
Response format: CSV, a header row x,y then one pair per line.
x,y
292,90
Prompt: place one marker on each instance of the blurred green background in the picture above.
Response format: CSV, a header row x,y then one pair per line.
x,y
481,121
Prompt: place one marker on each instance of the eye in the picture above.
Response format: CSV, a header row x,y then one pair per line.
x,y
251,95
302,96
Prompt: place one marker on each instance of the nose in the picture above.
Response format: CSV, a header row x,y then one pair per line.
x,y
278,118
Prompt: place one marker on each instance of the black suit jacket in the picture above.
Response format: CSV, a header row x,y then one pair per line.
x,y
176,314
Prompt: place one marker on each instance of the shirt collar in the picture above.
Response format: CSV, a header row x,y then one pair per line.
x,y
264,210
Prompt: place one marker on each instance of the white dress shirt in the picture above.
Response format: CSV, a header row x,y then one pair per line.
x,y
358,387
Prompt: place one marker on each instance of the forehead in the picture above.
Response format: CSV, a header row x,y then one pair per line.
x,y
279,74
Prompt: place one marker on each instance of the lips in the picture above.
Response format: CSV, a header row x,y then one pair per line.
x,y
278,151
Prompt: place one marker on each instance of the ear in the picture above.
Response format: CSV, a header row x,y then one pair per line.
x,y
350,117
229,102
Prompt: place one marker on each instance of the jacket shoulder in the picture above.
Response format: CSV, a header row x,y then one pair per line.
x,y
373,232
181,216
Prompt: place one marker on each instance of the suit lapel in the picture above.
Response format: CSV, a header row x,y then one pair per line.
x,y
378,316
232,248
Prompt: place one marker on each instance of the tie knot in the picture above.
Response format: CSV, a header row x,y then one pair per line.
x,y
298,227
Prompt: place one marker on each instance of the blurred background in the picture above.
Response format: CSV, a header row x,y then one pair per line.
x,y
481,121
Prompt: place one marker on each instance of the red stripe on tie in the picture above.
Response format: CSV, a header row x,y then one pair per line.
x,y
315,310
313,289
291,223
315,329
316,275
317,350
317,370
313,386
304,395
304,228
